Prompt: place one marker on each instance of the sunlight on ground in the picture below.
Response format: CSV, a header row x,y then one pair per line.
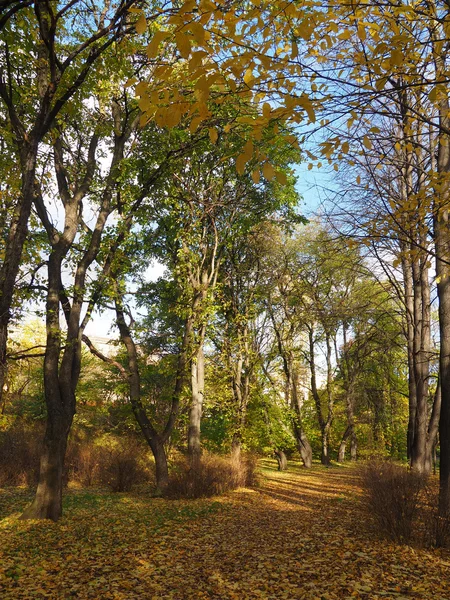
x,y
299,535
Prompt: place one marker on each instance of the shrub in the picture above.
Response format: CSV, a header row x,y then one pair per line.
x,y
436,529
82,462
393,497
120,466
212,475
248,471
20,449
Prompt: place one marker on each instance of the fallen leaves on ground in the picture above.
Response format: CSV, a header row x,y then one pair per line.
x,y
300,535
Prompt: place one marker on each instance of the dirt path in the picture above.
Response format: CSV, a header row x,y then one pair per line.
x,y
302,535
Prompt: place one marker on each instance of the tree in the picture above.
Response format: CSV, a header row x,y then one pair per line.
x,y
288,331
32,100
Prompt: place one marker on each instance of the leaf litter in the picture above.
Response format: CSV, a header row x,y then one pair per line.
x,y
300,535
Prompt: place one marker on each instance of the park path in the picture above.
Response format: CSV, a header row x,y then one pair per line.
x,y
301,535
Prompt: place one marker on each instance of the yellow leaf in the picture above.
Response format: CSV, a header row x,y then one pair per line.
x,y
380,83
145,103
432,96
294,51
202,84
143,120
345,35
248,77
172,116
268,171
281,177
141,88
141,24
187,6
248,149
196,59
396,57
183,44
198,32
195,124
358,180
367,143
256,177
213,135
241,161
345,147
305,103
266,110
207,6
227,128
361,32
152,48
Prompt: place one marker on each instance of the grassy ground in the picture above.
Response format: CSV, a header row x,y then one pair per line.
x,y
300,535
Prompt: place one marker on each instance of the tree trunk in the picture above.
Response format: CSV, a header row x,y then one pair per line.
x,y
350,429
444,363
353,447
236,447
47,503
241,393
343,445
323,424
325,458
161,468
420,450
155,441
303,445
60,401
196,410
433,429
442,247
281,459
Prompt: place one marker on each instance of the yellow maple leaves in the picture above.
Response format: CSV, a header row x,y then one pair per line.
x,y
229,54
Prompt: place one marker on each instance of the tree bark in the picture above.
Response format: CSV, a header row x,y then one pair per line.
x,y
420,449
349,432
161,467
281,459
47,503
241,389
236,447
343,444
353,447
197,397
442,248
303,445
326,423
409,311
